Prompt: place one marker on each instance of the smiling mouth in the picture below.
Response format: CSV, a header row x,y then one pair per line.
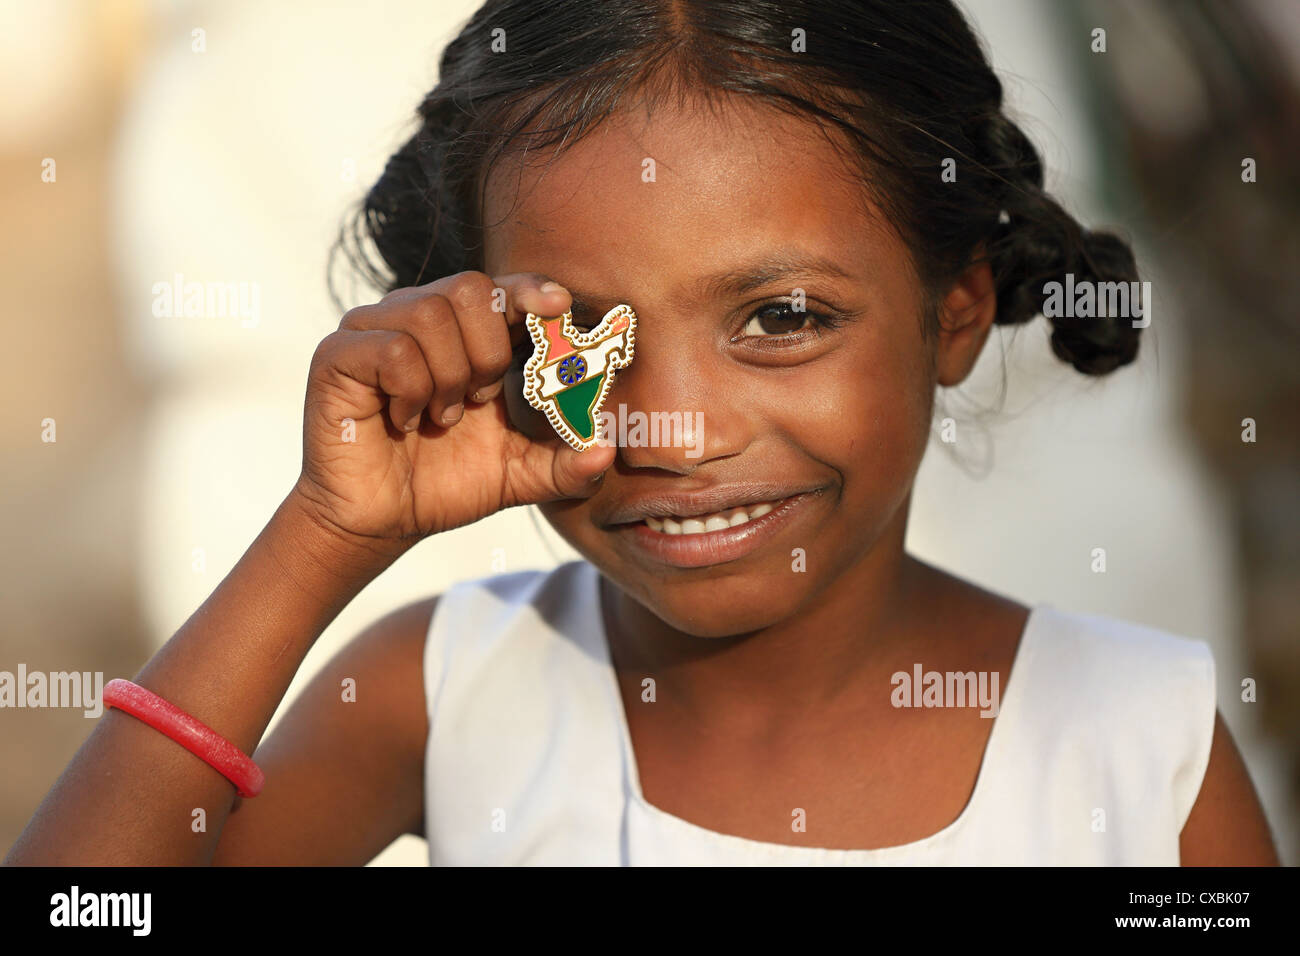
x,y
715,521
704,540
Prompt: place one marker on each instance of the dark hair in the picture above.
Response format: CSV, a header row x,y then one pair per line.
x,y
907,83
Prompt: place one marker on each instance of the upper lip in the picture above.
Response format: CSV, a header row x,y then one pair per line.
x,y
715,498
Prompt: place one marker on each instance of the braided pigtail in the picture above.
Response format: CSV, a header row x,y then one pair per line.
x,y
1037,242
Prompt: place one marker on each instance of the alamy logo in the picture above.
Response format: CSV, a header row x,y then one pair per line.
x,y
208,300
636,429
84,689
75,908
923,688
1098,300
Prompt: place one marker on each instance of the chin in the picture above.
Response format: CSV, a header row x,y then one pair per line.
x,y
716,602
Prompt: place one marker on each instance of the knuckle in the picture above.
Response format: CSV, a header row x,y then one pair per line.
x,y
324,351
432,311
470,291
355,318
399,351
495,360
453,378
399,293
416,383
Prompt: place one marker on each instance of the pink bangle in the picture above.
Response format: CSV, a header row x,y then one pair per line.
x,y
194,735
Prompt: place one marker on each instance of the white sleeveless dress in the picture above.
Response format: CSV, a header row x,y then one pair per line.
x,y
1095,757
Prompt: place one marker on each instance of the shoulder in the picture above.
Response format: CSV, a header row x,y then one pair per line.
x,y
1119,674
1088,635
1132,706
383,662
527,617
1124,665
1227,826
517,590
478,611
349,746
1124,717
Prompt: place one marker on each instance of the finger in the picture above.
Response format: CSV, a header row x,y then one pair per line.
x,y
519,294
429,319
477,364
532,292
513,295
550,470
577,474
485,334
388,361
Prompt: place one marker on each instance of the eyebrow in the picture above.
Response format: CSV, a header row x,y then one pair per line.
x,y
746,278
770,269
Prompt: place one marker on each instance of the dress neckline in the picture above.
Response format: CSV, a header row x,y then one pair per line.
x,y
1007,705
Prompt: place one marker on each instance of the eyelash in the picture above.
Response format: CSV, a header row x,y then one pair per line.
x,y
821,321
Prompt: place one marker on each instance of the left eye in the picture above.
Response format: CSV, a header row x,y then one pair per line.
x,y
779,318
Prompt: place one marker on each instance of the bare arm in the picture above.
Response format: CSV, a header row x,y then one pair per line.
x,y
383,468
129,794
1227,826
344,779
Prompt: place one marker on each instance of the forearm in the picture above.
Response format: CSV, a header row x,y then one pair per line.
x,y
129,794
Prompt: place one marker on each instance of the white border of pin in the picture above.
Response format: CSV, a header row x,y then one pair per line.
x,y
616,360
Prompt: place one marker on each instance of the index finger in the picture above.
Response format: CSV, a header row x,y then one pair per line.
x,y
532,292
514,295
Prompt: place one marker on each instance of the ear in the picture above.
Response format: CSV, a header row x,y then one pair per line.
x,y
965,317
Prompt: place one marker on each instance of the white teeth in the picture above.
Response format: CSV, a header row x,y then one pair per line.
x,y
718,521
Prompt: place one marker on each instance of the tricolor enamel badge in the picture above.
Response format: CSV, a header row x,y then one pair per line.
x,y
569,374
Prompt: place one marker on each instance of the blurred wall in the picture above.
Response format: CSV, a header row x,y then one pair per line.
x,y
71,509
179,436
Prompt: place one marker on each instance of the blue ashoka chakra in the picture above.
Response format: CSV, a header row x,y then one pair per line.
x,y
572,369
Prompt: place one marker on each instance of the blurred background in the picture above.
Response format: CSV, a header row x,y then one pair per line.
x,y
145,144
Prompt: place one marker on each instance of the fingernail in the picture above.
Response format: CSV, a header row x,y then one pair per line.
x,y
452,415
487,393
551,287
412,424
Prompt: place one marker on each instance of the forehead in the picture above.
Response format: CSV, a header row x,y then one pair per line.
x,y
674,189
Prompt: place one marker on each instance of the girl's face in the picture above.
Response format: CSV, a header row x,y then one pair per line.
x,y
707,226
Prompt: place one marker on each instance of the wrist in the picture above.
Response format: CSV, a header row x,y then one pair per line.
x,y
322,558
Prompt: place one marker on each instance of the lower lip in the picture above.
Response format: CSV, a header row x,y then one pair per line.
x,y
713,547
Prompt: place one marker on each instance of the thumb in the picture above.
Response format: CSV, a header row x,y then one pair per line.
x,y
575,473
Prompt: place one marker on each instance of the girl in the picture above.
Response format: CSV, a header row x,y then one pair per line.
x,y
747,667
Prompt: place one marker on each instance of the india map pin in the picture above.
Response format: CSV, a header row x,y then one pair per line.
x,y
569,374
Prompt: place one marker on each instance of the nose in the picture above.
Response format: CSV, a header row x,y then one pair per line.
x,y
672,409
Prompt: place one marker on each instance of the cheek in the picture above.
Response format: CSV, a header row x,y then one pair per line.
x,y
869,411
571,520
